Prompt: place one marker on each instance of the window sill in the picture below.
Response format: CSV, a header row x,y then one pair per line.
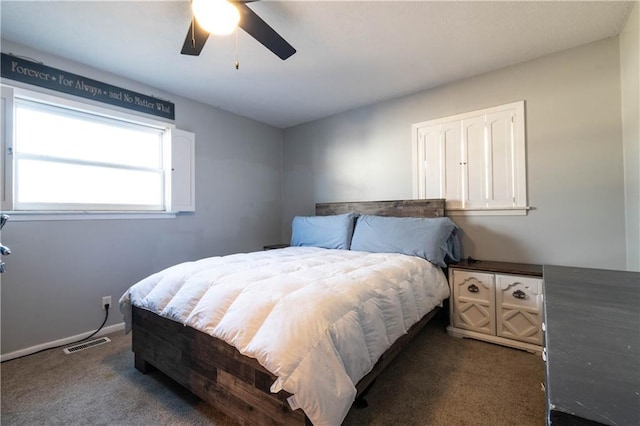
x,y
30,216
488,211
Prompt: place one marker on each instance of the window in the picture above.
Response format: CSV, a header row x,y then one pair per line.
x,y
476,161
63,156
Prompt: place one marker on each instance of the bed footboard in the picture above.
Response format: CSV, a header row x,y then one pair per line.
x,y
220,375
212,369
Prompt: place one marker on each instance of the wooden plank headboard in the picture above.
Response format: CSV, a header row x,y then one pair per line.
x,y
400,208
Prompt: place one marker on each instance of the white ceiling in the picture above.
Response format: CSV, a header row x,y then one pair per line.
x,y
349,53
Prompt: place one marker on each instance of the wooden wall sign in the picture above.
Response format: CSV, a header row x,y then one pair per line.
x,y
38,74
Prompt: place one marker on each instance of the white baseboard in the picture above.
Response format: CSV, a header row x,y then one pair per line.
x,y
66,341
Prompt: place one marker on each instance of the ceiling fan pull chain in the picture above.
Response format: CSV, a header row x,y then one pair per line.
x,y
237,62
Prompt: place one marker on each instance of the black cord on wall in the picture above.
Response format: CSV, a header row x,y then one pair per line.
x,y
106,316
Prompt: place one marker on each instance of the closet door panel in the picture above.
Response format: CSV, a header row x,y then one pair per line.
x,y
452,148
500,182
475,161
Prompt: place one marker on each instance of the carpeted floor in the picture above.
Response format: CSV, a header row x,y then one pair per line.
x,y
437,380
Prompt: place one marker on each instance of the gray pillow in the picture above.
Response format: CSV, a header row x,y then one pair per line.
x,y
434,239
332,232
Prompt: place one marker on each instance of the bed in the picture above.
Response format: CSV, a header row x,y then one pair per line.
x,y
242,353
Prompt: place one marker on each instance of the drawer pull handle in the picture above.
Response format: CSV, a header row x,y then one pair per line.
x,y
519,294
473,288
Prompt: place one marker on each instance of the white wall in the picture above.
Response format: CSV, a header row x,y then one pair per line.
x,y
574,150
58,271
630,83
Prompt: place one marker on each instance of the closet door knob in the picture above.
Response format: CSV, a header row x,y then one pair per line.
x,y
473,288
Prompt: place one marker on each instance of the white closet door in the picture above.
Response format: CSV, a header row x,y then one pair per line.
x,y
500,157
431,155
439,151
452,149
474,161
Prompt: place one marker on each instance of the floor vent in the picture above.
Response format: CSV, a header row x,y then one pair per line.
x,y
87,345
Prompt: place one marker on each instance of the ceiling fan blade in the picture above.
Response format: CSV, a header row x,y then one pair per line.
x,y
261,31
194,42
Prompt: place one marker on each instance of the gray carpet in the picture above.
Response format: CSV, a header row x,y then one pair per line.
x,y
436,380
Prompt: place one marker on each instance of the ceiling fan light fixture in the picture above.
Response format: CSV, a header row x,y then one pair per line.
x,y
218,17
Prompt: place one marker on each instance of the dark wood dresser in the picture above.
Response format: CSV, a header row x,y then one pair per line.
x,y
592,346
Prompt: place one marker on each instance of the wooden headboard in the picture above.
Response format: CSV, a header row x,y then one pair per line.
x,y
401,208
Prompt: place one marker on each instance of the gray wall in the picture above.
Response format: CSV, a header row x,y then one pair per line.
x,y
250,185
630,82
59,271
574,158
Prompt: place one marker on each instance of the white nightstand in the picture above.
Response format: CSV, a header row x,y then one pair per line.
x,y
498,302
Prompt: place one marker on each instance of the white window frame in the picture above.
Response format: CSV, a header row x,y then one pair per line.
x,y
436,180
187,160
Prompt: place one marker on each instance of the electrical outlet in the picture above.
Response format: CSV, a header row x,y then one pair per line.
x,y
106,300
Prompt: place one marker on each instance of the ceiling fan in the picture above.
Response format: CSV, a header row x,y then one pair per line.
x,y
249,21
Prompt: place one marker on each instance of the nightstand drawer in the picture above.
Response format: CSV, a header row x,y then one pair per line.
x,y
473,285
519,308
520,291
473,301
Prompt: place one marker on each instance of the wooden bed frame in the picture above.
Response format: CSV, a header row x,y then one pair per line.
x,y
236,384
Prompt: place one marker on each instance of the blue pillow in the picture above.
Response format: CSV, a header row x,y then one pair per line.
x,y
435,240
332,232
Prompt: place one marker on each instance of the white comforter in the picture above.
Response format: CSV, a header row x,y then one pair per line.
x,y
317,319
